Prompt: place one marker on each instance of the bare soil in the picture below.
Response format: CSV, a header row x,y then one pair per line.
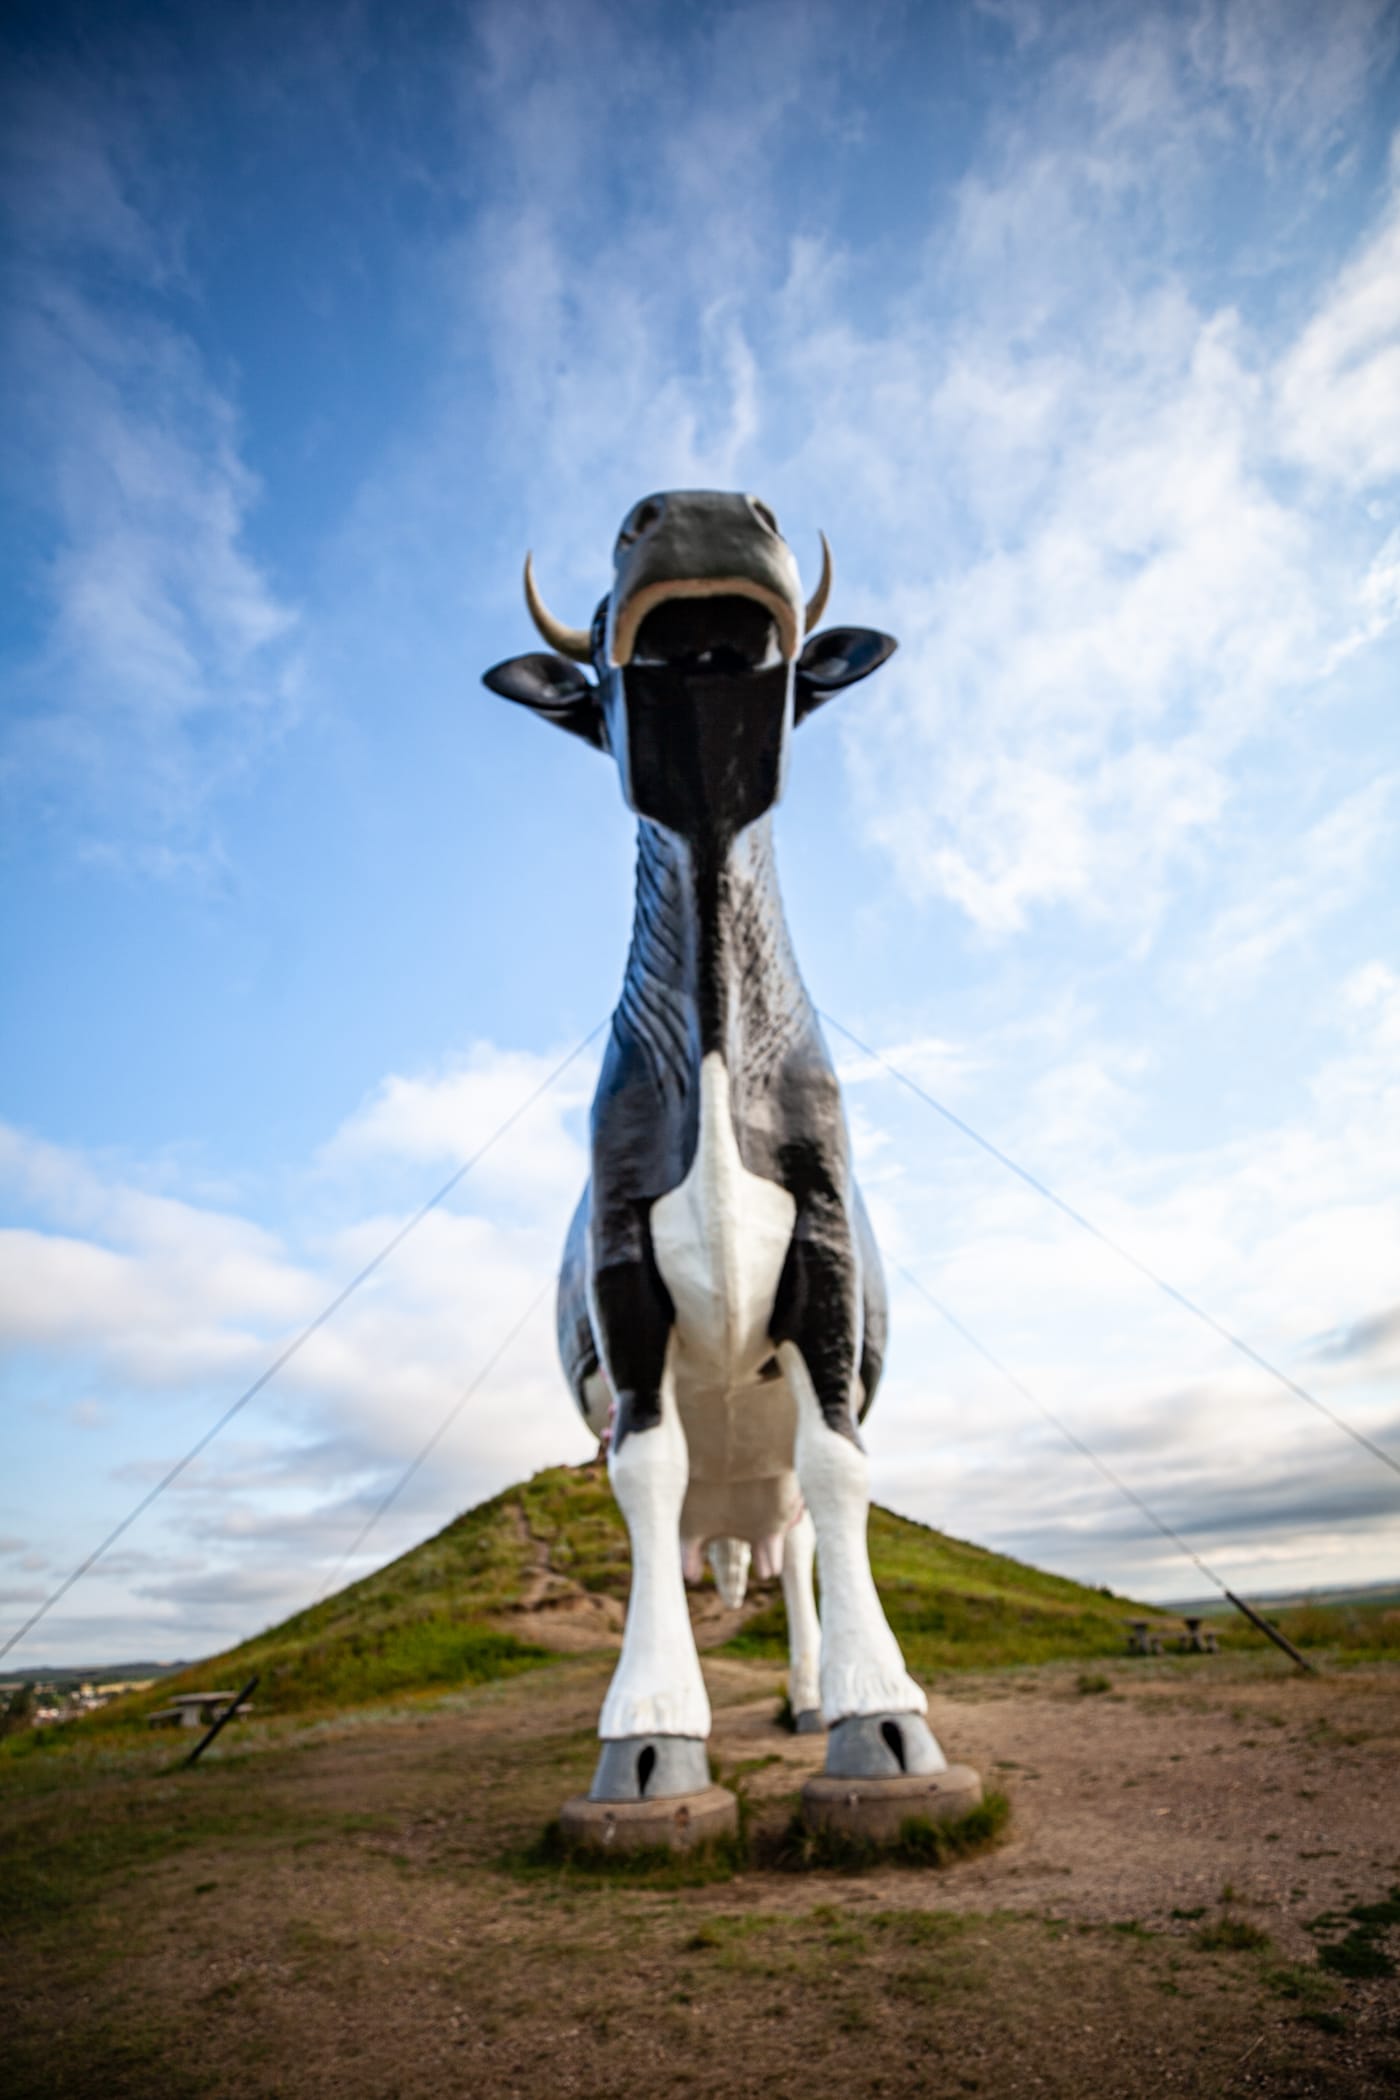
x,y
351,1908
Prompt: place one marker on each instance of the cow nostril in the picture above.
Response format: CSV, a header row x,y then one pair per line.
x,y
646,1765
764,515
642,519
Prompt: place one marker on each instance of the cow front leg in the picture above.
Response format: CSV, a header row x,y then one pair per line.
x,y
656,1715
862,1669
872,1705
657,1688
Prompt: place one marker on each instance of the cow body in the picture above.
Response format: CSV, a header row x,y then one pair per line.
x,y
718,1123
721,1306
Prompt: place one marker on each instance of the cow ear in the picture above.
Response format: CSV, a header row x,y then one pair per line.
x,y
835,659
556,689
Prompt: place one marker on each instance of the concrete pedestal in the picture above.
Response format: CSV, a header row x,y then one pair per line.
x,y
679,1821
875,1808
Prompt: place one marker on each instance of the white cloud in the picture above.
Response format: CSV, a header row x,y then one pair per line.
x,y
1287,1232
448,1116
1076,459
166,1307
168,1291
1298,70
1064,722
1338,387
1279,909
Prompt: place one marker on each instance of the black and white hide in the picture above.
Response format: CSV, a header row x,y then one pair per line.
x,y
721,1307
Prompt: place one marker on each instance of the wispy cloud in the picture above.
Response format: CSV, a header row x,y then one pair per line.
x,y
446,1117
1075,452
1298,72
1282,905
1066,721
1287,1231
1338,387
164,654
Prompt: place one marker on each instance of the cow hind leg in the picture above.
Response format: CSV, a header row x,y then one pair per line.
x,y
871,1704
656,1715
804,1628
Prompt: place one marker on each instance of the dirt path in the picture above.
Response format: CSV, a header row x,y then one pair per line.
x,y
348,1910
1145,1800
556,1611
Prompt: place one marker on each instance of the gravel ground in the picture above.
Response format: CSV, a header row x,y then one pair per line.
x,y
1149,1797
344,1912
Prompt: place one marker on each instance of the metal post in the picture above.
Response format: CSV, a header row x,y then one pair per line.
x,y
227,1715
1280,1640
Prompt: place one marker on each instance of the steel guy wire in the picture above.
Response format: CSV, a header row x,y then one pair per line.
x,y
279,1362
474,1386
1134,1261
1255,1617
1070,1436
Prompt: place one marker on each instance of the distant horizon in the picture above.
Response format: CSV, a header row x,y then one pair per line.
x,y
1205,1601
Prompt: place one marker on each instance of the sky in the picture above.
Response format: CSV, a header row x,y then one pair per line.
x,y
1077,329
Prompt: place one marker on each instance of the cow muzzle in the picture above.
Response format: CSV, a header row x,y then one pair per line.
x,y
705,579
702,578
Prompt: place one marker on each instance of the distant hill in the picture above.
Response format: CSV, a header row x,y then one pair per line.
x,y
92,1673
1347,1595
542,1569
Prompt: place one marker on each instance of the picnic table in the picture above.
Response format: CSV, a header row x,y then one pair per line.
x,y
198,1709
1148,1637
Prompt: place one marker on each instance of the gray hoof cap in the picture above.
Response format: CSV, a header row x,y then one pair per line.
x,y
650,1768
882,1746
808,1722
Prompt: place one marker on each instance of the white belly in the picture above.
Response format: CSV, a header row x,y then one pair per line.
x,y
720,1241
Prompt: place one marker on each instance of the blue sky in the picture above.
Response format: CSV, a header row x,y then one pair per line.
x,y
1077,328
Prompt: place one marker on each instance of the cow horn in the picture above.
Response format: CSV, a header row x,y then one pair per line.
x,y
816,604
572,642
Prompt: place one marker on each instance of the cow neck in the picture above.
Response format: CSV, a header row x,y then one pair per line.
x,y
711,966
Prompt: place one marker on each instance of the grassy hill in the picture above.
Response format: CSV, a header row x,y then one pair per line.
x,y
542,1569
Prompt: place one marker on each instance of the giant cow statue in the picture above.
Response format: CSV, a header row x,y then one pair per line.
x,y
722,1310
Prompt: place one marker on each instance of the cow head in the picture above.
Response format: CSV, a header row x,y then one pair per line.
x,y
702,660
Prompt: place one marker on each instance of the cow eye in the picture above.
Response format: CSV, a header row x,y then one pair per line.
x,y
764,515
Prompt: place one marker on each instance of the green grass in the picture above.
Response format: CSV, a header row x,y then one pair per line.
x,y
563,1860
1343,1633
1230,1935
1361,1950
793,1849
444,1615
111,1818
920,1843
955,1606
430,1621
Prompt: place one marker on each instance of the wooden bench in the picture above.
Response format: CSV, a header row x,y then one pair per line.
x,y
1144,1637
